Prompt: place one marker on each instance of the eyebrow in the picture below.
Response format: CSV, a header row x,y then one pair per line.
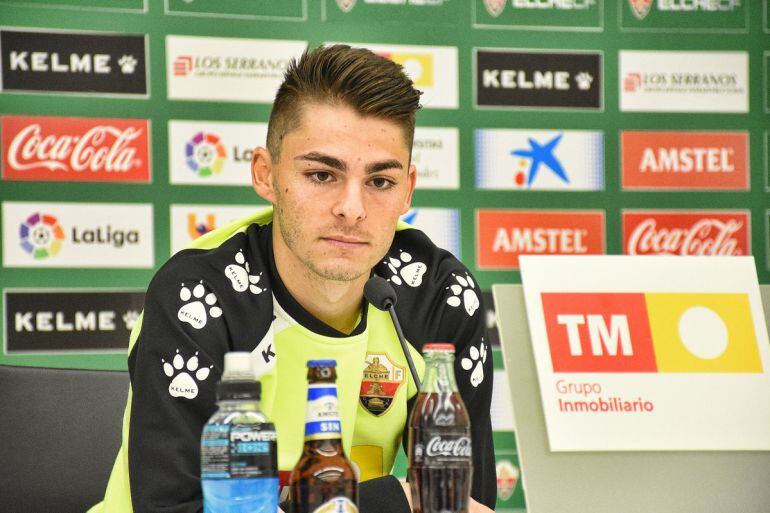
x,y
336,163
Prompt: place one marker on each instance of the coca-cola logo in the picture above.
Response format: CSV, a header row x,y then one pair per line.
x,y
75,149
456,448
686,234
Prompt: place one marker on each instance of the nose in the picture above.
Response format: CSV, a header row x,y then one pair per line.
x,y
349,206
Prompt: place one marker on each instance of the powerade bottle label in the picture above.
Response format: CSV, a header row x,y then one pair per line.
x,y
238,451
323,413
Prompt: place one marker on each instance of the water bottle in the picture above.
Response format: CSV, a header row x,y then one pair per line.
x,y
239,457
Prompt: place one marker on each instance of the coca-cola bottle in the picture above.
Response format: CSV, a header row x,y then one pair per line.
x,y
440,467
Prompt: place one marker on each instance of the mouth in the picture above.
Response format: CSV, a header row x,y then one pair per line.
x,y
344,242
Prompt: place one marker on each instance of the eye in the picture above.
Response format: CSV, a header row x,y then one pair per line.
x,y
381,182
320,176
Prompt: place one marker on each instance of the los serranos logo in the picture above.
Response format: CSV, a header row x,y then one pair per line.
x,y
229,66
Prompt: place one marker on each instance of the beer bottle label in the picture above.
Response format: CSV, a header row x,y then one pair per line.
x,y
323,412
442,449
241,450
337,505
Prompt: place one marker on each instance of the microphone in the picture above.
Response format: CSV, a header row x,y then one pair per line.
x,y
382,295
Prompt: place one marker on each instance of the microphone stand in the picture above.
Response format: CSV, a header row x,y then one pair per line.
x,y
402,340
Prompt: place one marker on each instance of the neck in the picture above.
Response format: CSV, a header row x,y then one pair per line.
x,y
336,303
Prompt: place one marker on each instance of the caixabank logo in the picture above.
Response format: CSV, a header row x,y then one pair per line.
x,y
538,79
666,332
77,235
565,160
73,62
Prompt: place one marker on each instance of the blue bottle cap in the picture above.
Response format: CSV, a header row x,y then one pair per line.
x,y
321,363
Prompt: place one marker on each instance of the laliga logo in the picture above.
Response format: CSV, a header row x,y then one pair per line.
x,y
41,235
205,154
651,332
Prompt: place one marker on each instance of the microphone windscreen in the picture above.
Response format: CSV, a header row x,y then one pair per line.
x,y
380,293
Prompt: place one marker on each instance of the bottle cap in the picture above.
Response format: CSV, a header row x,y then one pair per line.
x,y
321,363
238,379
438,347
238,366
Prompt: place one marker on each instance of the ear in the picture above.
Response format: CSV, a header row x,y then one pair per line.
x,y
262,174
412,180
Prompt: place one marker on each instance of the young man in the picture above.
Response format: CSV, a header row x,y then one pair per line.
x,y
287,286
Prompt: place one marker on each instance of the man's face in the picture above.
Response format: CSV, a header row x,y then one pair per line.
x,y
340,185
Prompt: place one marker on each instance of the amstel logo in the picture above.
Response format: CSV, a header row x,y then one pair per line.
x,y
651,332
41,235
418,66
205,154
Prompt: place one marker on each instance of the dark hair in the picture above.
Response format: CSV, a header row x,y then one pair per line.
x,y
369,83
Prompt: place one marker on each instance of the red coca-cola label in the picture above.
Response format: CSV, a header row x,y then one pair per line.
x,y
47,148
705,233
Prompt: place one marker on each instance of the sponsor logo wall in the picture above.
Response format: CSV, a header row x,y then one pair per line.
x,y
227,69
50,148
442,225
64,321
571,160
433,69
188,222
119,142
504,235
73,62
702,233
77,235
538,79
676,81
212,153
669,160
436,155
578,15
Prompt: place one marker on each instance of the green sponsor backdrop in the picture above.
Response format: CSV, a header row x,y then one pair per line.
x,y
258,9
80,5
603,26
528,14
670,15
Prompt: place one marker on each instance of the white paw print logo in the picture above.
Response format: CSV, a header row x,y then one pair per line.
x,y
194,312
410,273
127,64
462,293
129,319
183,384
477,356
240,275
584,80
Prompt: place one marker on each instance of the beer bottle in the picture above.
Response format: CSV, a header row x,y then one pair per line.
x,y
439,445
323,480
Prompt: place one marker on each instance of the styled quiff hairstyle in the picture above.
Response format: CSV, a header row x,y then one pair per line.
x,y
370,84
